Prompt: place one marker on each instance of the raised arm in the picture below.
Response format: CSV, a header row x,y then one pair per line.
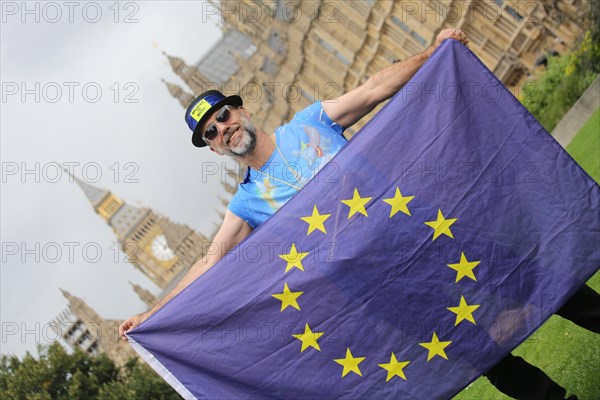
x,y
233,231
347,109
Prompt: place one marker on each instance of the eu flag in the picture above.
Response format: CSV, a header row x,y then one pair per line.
x,y
446,232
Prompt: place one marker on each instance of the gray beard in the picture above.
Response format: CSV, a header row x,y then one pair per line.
x,y
247,143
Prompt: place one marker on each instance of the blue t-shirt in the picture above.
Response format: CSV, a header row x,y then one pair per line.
x,y
307,143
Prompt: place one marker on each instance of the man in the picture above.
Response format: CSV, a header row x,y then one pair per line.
x,y
281,163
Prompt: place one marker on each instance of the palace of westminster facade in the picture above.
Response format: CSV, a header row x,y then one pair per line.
x,y
281,56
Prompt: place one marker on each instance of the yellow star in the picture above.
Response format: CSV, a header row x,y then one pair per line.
x,y
316,221
435,347
394,368
399,203
288,298
464,268
357,204
309,338
350,363
294,259
464,311
441,225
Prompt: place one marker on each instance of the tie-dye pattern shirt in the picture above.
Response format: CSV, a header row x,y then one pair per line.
x,y
307,143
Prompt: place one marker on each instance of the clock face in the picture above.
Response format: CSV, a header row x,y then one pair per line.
x,y
160,249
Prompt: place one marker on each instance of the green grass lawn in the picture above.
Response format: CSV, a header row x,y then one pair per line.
x,y
567,353
585,147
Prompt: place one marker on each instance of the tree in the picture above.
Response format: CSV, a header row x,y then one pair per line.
x,y
550,96
553,93
56,374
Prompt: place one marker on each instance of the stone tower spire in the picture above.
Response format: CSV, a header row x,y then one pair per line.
x,y
195,80
94,194
180,67
79,305
148,298
82,327
179,93
120,216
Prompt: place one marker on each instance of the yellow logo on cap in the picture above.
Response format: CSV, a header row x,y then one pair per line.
x,y
200,109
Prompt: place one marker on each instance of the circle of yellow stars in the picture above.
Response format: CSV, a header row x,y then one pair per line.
x,y
357,206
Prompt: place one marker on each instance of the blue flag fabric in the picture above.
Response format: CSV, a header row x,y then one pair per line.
x,y
444,234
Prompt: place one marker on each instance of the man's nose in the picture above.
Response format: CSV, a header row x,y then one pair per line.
x,y
221,127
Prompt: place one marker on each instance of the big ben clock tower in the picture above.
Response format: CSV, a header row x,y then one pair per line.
x,y
163,250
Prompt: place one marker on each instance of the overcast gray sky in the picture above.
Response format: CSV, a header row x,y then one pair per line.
x,y
130,138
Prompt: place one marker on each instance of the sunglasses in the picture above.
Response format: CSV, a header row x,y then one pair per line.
x,y
211,130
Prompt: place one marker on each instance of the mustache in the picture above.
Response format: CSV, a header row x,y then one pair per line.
x,y
229,133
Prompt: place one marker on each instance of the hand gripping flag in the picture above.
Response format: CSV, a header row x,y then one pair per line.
x,y
444,234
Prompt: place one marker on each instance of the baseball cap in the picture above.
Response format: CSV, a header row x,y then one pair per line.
x,y
202,107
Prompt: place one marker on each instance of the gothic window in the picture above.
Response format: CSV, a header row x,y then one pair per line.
x,y
418,38
401,24
269,67
276,43
342,58
518,17
330,49
326,45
